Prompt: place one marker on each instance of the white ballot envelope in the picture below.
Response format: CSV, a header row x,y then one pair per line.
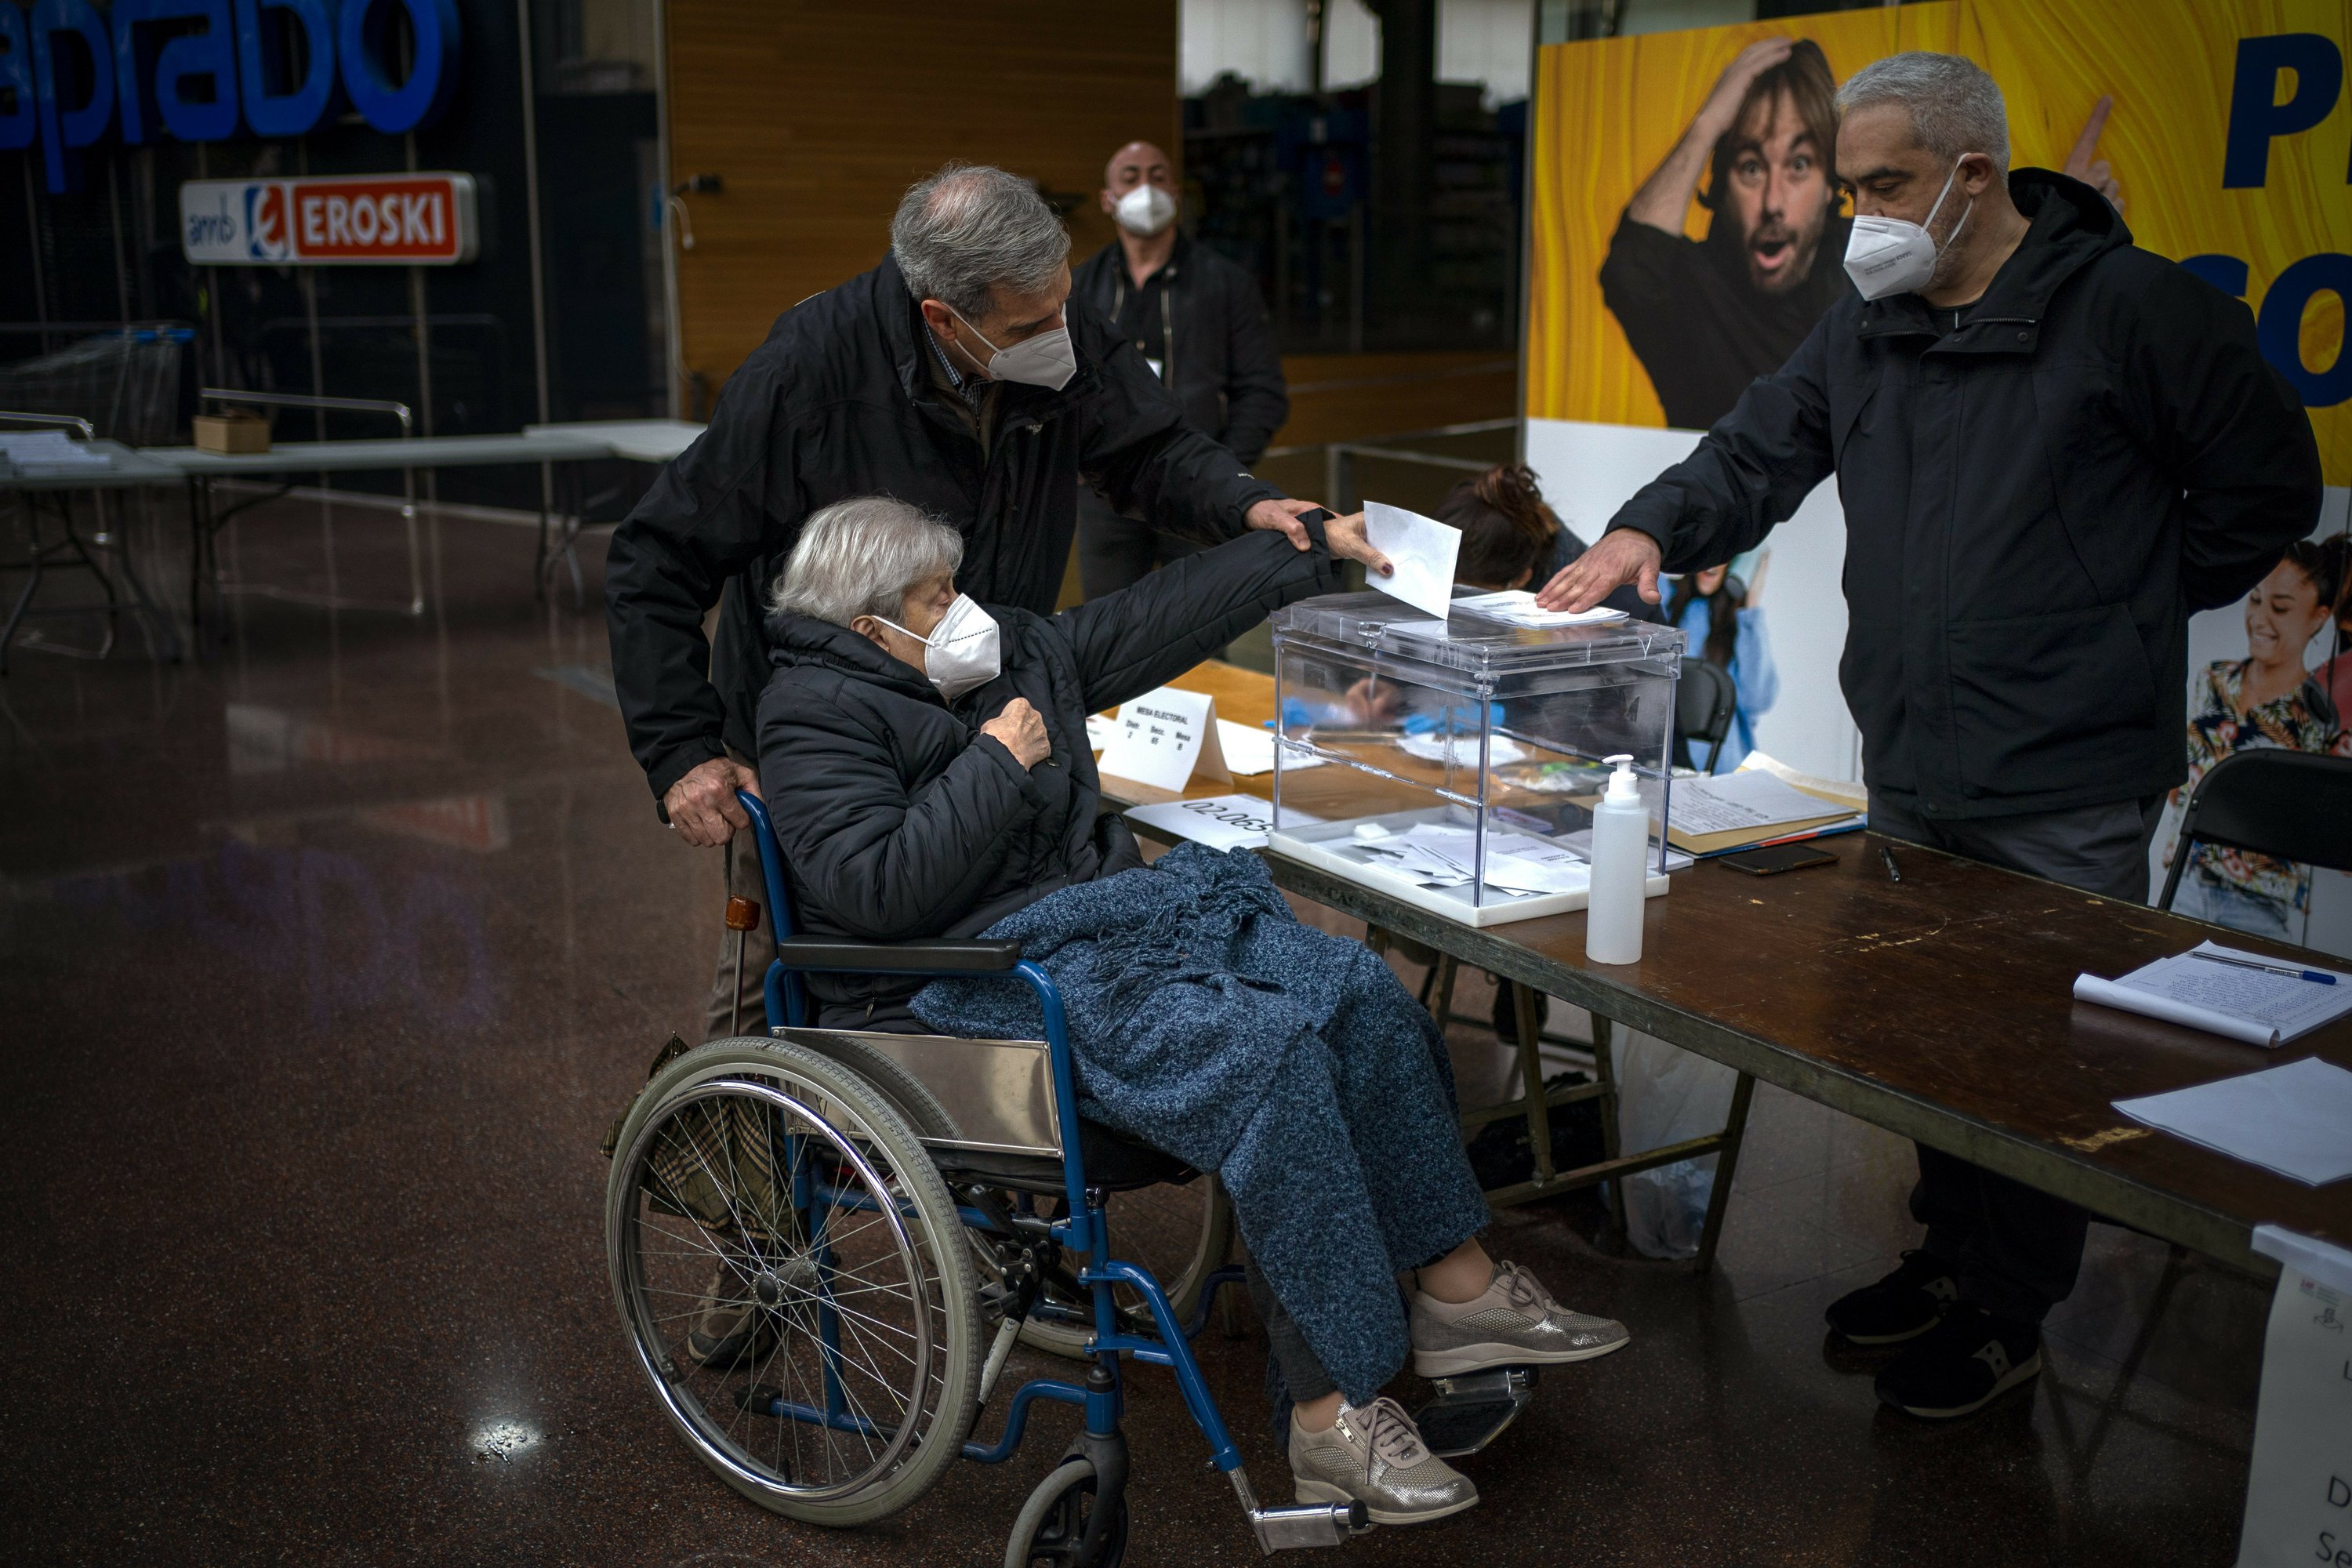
x,y
1422,551
1163,738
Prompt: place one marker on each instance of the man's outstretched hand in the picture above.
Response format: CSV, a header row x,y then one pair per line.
x,y
1345,535
1623,555
702,806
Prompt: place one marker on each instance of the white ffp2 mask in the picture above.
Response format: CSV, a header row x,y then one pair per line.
x,y
962,653
1046,360
1887,256
1145,210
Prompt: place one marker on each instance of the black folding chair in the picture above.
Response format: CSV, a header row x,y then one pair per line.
x,y
2289,805
1705,702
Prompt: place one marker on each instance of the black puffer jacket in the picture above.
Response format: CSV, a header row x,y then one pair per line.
x,y
897,819
837,403
2034,503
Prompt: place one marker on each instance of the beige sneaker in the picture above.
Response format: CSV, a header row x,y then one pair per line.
x,y
1515,1323
1375,1456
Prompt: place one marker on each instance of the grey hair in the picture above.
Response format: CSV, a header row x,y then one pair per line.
x,y
1955,107
961,233
860,557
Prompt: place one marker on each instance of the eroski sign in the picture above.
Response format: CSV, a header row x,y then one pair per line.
x,y
197,69
395,219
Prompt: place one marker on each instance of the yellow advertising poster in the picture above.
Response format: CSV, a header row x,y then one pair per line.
x,y
1688,230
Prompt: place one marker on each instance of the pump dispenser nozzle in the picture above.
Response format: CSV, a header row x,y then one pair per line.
x,y
1622,785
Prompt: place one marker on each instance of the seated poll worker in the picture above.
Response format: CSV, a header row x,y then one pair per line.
x,y
934,752
2051,447
950,376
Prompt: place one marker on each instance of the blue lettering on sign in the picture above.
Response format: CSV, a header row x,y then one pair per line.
x,y
2279,327
2255,114
196,67
275,105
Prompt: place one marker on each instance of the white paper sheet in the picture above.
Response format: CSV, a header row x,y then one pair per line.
x,y
1422,551
1440,856
1249,753
1462,751
2248,1005
1741,801
1517,607
2296,1120
1220,822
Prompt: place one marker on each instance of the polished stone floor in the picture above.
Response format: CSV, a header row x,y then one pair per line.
x,y
325,962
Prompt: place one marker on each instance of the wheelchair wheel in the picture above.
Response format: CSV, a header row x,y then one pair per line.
x,y
1181,1233
774,1183
1054,1520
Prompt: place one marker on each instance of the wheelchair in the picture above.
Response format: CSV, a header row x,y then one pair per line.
x,y
888,1251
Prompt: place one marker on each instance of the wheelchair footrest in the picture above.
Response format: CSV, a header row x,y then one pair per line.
x,y
1471,1411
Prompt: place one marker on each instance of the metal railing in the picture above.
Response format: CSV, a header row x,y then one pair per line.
x,y
331,599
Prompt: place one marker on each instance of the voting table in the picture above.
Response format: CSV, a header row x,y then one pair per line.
x,y
1938,1006
99,467
201,469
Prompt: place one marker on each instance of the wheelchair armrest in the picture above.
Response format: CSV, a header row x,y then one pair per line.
x,y
932,955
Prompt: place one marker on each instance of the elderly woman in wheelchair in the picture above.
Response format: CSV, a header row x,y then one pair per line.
x,y
928,765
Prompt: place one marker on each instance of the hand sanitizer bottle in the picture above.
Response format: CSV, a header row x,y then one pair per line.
x,y
1620,835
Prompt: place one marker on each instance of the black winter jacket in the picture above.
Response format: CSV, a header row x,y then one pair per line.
x,y
838,404
2034,503
1222,360
898,818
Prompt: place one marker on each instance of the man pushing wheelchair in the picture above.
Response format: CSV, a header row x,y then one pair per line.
x,y
916,723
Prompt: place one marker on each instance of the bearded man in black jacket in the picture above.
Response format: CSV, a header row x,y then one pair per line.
x,y
2051,447
958,376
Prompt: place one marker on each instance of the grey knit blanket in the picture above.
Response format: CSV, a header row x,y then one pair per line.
x,y
1206,1021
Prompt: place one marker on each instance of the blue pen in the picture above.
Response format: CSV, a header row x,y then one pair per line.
x,y
2315,976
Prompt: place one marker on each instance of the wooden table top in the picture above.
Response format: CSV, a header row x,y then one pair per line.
x,y
1940,1006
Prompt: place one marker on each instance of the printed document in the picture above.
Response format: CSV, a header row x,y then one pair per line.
x,y
2254,1006
1220,822
48,449
1736,803
1422,551
2296,1120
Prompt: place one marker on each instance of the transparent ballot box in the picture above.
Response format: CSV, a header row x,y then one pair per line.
x,y
1455,764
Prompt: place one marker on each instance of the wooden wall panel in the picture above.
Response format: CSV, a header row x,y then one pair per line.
x,y
819,115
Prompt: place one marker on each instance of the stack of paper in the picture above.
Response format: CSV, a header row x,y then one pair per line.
x,y
2296,1120
1439,856
1517,607
1733,810
2247,996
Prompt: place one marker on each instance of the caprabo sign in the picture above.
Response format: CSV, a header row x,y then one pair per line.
x,y
385,219
200,70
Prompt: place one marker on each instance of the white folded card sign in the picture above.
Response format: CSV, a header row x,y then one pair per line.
x,y
1165,737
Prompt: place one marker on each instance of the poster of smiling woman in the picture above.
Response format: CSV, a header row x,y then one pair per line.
x,y
1688,229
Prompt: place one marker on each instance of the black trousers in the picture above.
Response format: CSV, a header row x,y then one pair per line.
x,y
1117,552
2014,1248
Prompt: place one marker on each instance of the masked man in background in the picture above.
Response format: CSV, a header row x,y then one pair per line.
x,y
1198,323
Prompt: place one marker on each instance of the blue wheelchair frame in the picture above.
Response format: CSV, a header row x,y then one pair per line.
x,y
1083,1230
